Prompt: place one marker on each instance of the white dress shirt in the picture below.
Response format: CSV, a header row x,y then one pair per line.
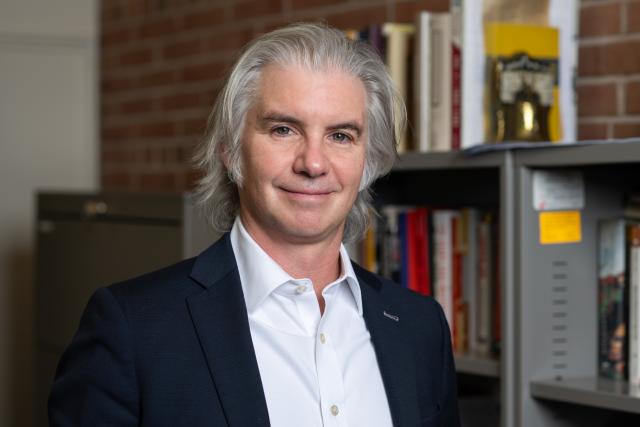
x,y
316,370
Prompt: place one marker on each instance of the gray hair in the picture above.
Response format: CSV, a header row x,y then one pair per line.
x,y
316,47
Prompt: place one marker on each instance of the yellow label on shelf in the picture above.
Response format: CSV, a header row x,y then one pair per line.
x,y
560,227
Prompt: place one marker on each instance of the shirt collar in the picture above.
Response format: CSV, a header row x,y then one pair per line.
x,y
260,274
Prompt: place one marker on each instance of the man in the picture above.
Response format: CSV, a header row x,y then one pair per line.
x,y
273,325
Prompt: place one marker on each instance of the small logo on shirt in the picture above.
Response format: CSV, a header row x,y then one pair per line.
x,y
391,316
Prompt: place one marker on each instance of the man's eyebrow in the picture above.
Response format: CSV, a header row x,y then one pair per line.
x,y
284,118
354,126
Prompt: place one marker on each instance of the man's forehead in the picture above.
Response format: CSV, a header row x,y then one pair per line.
x,y
283,88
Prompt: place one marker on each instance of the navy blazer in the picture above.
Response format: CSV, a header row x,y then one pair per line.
x,y
173,348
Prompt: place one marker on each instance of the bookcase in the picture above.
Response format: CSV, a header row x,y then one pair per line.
x,y
547,371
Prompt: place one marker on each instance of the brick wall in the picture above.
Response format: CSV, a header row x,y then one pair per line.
x,y
608,83
163,60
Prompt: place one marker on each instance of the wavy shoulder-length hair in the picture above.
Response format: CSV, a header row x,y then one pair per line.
x,y
316,47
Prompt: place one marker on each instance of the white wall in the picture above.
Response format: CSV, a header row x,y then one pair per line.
x,y
48,139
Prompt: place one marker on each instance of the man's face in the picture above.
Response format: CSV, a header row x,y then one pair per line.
x,y
303,153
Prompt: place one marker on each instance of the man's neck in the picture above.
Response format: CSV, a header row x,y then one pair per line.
x,y
318,261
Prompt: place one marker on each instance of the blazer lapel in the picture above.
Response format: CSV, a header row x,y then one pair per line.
x,y
220,318
392,343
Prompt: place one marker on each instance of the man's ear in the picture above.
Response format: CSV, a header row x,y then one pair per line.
x,y
224,155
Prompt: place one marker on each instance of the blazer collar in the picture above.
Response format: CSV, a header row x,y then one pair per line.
x,y
220,318
391,334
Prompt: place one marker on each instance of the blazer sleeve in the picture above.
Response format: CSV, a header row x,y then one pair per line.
x,y
450,414
95,383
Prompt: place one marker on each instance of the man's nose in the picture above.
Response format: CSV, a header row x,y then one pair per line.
x,y
311,159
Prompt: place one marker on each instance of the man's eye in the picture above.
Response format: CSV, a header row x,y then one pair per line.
x,y
282,131
342,137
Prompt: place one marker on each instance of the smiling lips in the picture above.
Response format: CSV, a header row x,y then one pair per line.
x,y
307,191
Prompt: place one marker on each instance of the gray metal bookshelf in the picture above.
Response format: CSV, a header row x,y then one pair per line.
x,y
555,293
547,370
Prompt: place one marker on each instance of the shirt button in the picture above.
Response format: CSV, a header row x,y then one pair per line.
x,y
323,339
334,410
301,289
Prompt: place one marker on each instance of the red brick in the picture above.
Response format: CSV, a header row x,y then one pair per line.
x,y
136,57
194,126
632,92
208,19
182,101
111,11
626,130
633,17
111,38
157,78
116,181
592,131
597,99
117,133
115,85
407,11
192,176
163,182
228,40
599,19
210,71
612,58
137,106
156,129
164,27
310,4
182,49
254,8
358,18
137,7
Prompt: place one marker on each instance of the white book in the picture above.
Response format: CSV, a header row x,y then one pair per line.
x,y
443,261
422,59
440,121
398,37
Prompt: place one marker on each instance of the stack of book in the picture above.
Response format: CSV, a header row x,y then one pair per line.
x,y
619,294
450,254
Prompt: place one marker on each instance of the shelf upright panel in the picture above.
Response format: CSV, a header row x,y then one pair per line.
x,y
557,283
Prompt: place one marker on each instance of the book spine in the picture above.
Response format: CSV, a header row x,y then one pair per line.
x,y
483,294
456,71
634,303
398,39
422,81
469,272
440,107
443,252
612,319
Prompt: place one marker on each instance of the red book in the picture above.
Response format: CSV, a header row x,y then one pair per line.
x,y
456,279
412,249
422,251
456,88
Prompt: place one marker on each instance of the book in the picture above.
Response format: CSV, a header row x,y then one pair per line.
x,y
443,262
484,294
612,300
633,251
469,251
521,97
422,60
397,53
468,72
440,75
